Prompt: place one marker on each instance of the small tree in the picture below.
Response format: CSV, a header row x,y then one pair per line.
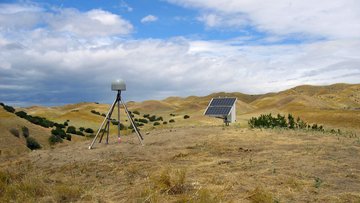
x,y
171,121
71,129
15,132
291,121
9,108
53,139
79,133
32,144
156,123
89,130
21,114
186,116
25,131
136,112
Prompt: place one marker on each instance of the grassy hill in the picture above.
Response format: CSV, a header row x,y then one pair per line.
x,y
11,145
194,159
197,164
335,106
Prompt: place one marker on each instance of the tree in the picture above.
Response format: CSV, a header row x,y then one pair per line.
x,y
32,144
9,108
291,121
25,131
186,116
53,139
89,130
136,112
71,129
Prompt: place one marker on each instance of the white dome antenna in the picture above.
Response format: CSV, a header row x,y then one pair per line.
x,y
118,85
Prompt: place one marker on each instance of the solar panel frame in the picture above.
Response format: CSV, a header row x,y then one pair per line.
x,y
220,107
218,110
222,102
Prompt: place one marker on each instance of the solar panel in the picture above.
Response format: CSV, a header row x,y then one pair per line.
x,y
222,102
220,106
218,110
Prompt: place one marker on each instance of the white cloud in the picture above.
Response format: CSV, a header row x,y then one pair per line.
x,y
58,67
92,23
155,68
332,19
15,16
149,18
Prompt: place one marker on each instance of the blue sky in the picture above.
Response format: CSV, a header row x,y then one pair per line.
x,y
62,51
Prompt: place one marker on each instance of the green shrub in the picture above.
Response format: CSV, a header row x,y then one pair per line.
x,y
89,130
114,122
152,118
172,114
81,129
71,129
136,112
103,115
156,123
146,115
143,120
268,121
53,139
21,114
59,132
32,144
9,108
68,137
25,131
291,121
164,122
2,104
186,116
79,133
59,125
171,121
15,132
66,123
95,112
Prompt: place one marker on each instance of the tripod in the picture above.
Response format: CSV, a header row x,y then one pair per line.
x,y
107,121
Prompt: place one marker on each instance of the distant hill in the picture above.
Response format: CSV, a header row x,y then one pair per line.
x,y
335,105
11,145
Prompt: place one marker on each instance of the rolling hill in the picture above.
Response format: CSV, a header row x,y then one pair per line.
x,y
337,106
195,159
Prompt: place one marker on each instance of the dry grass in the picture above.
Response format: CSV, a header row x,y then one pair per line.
x,y
200,164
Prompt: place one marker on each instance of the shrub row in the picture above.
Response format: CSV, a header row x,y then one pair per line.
x,y
268,121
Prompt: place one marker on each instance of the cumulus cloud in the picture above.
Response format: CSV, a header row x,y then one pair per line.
x,y
149,18
15,16
332,19
154,69
44,66
95,22
92,23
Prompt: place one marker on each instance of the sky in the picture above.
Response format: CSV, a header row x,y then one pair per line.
x,y
64,51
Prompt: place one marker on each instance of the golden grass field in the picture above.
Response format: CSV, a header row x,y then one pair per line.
x,y
195,159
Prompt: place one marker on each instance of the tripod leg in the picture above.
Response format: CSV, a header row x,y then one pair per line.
x,y
132,123
107,116
103,132
118,107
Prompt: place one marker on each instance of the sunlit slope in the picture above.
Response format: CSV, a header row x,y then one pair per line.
x,y
11,145
336,105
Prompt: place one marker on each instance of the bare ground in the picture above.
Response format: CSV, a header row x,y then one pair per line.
x,y
197,164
